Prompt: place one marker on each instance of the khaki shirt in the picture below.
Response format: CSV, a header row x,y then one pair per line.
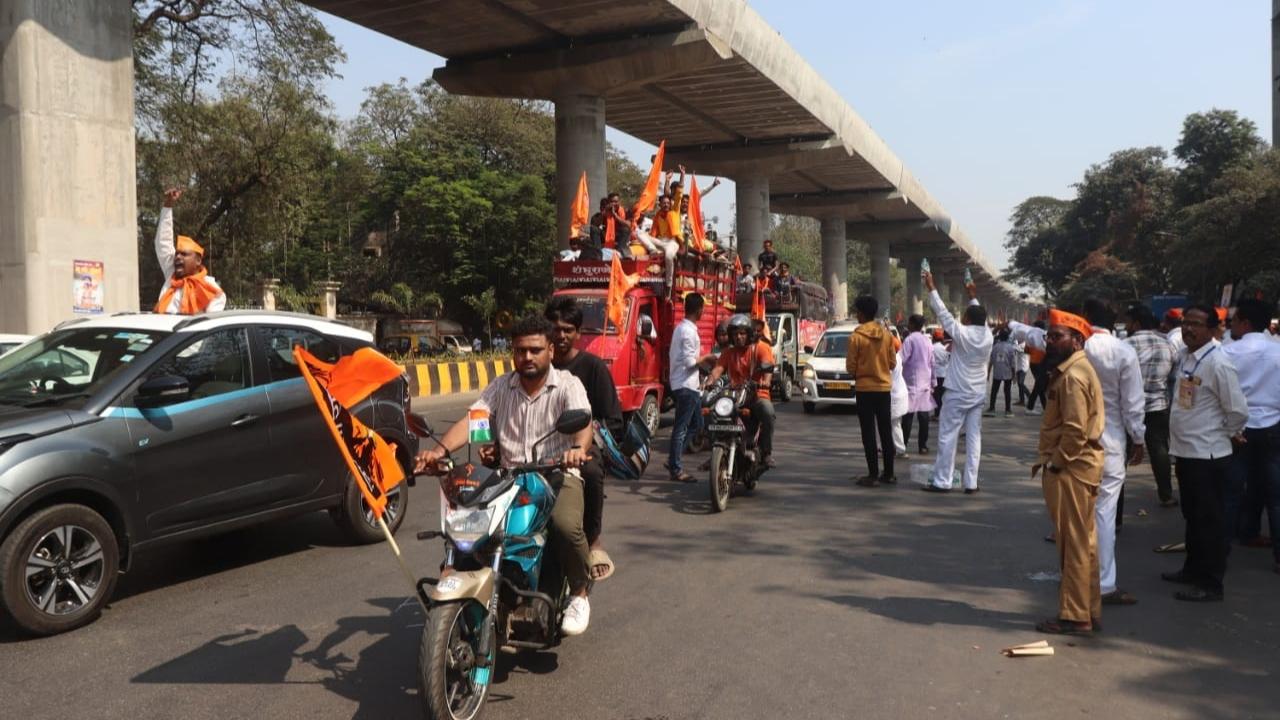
x,y
1074,418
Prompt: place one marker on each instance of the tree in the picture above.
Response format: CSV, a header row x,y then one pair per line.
x,y
486,306
1036,230
1211,143
403,300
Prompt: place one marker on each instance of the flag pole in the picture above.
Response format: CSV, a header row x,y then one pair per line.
x,y
395,549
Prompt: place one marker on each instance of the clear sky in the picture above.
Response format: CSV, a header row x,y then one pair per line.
x,y
989,101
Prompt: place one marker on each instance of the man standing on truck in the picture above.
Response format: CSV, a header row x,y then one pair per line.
x,y
566,319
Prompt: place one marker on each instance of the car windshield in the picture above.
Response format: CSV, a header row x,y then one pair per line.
x,y
593,315
66,366
773,321
832,345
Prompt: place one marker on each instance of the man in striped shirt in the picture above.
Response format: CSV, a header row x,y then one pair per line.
x,y
523,407
1155,358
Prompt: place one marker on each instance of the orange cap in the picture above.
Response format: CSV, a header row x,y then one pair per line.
x,y
1073,321
186,244
1174,314
1222,314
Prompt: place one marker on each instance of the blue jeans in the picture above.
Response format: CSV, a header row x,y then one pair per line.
x,y
1254,483
687,402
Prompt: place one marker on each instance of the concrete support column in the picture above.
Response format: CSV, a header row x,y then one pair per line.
x,y
67,174
958,298
753,216
835,265
579,146
1275,73
915,288
880,274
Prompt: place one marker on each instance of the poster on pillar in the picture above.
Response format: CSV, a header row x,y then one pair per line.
x,y
87,287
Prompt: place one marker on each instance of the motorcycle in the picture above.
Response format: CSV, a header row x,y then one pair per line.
x,y
735,458
504,590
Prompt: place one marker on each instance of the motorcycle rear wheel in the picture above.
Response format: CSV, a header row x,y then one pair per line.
x,y
720,480
451,684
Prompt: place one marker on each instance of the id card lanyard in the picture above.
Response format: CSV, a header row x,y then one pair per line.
x,y
1189,382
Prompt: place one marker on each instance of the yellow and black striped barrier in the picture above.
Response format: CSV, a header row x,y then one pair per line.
x,y
429,379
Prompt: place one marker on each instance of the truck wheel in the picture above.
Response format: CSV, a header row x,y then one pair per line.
x,y
649,413
59,568
785,394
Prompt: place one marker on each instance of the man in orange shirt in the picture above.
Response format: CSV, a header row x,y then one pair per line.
x,y
743,360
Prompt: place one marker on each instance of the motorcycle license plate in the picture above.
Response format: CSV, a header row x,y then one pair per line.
x,y
837,386
723,428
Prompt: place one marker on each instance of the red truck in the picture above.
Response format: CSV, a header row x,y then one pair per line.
x,y
638,353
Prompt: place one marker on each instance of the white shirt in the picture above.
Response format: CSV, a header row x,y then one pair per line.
x,y
1024,361
898,397
1175,337
970,352
1218,408
1257,364
165,253
941,356
1119,372
686,349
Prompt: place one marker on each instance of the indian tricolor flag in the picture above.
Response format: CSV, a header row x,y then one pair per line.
x,y
478,422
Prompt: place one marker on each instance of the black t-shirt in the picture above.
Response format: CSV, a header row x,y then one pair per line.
x,y
601,392
767,261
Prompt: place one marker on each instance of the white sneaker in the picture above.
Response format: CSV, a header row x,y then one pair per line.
x,y
1032,411
576,616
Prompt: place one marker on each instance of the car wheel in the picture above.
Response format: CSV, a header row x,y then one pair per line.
x,y
59,569
356,519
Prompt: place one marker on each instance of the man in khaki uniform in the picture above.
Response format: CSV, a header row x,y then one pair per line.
x,y
1071,456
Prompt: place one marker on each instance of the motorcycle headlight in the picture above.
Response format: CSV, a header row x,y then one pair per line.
x,y
723,407
467,526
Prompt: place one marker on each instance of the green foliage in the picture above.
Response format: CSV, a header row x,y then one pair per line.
x,y
1140,226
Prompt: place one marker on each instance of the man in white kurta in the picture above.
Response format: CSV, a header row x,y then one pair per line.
x,y
1117,367
966,390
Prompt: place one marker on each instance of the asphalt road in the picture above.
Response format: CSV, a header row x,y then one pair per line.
x,y
811,599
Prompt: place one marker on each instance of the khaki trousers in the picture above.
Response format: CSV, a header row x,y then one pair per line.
x,y
566,521
1071,507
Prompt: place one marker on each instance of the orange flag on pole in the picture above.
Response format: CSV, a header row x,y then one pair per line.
x,y
695,216
581,210
336,388
649,196
757,300
616,301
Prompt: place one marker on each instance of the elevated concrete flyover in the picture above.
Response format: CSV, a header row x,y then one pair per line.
x,y
714,80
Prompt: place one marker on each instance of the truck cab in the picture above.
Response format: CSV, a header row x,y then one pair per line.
x,y
796,320
638,352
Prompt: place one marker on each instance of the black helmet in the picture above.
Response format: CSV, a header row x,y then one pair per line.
x,y
741,321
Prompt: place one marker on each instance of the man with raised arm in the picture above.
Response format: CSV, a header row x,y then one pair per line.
x,y
188,287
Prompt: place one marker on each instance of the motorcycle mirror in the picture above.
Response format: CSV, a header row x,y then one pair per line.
x,y
572,421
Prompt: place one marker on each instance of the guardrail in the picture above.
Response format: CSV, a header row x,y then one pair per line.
x,y
429,379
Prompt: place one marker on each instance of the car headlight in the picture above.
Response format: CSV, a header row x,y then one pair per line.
x,y
466,526
808,373
723,407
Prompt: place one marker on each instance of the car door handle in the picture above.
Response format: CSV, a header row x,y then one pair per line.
x,y
244,421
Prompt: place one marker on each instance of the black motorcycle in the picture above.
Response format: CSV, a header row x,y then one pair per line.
x,y
735,458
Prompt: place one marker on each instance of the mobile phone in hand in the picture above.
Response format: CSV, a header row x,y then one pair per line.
x,y
924,265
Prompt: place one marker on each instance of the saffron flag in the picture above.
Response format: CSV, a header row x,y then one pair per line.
x,y
581,210
619,284
737,266
757,299
649,196
336,388
695,216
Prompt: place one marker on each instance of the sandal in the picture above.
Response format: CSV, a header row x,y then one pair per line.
x,y
1058,626
1118,597
600,558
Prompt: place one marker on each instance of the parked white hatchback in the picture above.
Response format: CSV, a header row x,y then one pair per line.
x,y
823,381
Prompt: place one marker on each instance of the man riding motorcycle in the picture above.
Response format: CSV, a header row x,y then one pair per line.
x,y
521,407
742,359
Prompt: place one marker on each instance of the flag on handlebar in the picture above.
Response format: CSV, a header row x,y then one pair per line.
x,y
338,387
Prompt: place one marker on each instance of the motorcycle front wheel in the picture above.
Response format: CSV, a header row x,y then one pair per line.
x,y
452,682
721,479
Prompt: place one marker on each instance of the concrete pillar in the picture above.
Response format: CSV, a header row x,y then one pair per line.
x,y
835,265
915,288
1275,73
579,146
959,297
269,287
880,275
753,216
329,298
67,174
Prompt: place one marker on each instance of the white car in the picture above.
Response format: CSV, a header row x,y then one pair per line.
x,y
823,381
9,342
456,344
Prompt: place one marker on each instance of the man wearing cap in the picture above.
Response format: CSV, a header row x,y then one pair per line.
x,y
1071,457
1116,365
1172,327
966,390
188,288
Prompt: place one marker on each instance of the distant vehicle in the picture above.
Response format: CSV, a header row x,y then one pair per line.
x,y
9,342
796,318
120,434
823,381
456,344
413,346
